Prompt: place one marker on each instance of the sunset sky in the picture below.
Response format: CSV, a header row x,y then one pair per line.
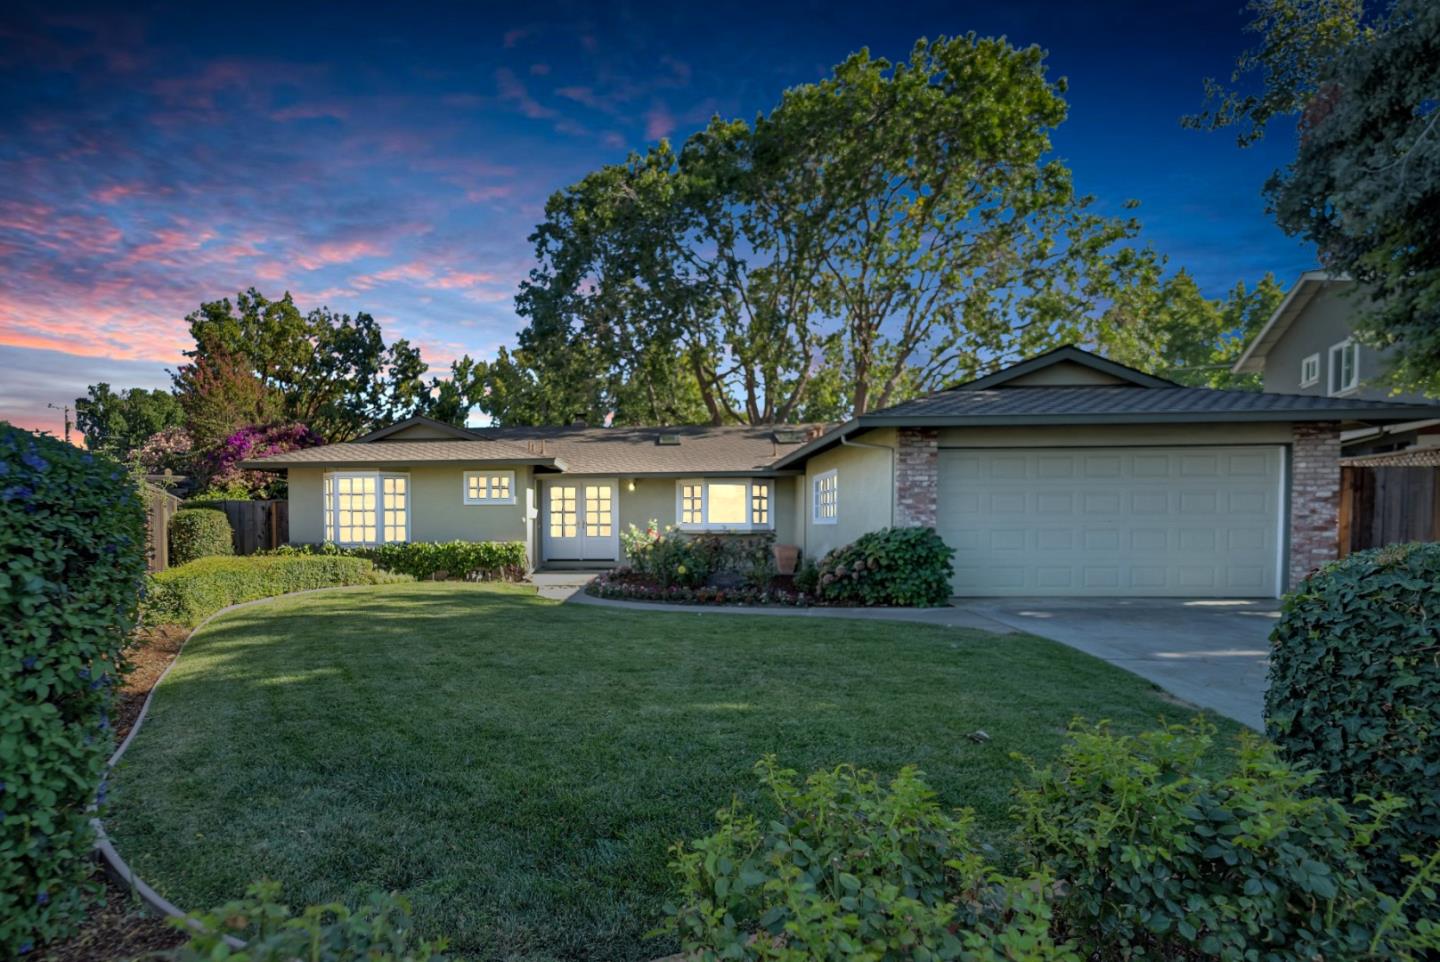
x,y
394,160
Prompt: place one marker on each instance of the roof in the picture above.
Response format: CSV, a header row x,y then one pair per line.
x,y
627,451
1311,283
1065,354
994,401
1428,457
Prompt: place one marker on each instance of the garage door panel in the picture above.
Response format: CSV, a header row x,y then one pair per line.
x,y
1198,521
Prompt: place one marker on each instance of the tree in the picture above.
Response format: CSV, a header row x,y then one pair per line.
x,y
330,371
220,393
119,423
895,226
1365,182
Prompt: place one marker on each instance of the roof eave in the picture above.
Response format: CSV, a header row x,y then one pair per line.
x,y
279,463
1309,284
1366,415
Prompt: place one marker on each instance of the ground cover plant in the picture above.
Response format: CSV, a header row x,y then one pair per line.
x,y
519,769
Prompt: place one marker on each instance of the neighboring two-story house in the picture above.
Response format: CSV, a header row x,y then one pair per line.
x,y
1308,347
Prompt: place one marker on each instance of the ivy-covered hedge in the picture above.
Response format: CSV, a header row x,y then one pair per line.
x,y
461,560
199,533
893,566
189,594
1355,689
72,558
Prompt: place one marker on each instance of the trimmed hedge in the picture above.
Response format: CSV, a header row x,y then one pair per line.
x,y
1355,690
72,558
461,560
892,566
199,533
189,594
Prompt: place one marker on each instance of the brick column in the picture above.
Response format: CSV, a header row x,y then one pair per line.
x,y
1314,497
917,477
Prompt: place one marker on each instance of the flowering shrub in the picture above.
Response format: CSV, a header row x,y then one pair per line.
x,y
893,566
72,560
665,555
629,585
168,450
257,442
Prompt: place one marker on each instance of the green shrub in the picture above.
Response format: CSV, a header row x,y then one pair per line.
x,y
893,566
1162,862
189,594
807,577
72,559
852,869
460,560
1355,689
199,533
379,931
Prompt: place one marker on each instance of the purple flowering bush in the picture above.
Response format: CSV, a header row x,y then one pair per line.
x,y
256,441
72,561
168,450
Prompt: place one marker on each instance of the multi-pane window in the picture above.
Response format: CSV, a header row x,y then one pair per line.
x,y
1310,370
564,511
367,507
726,505
599,510
1344,367
489,487
760,504
825,499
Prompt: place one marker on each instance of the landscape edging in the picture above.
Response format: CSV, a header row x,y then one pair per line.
x,y
115,865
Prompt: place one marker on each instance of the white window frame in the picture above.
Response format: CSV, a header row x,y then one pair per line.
x,y
816,501
1310,371
1337,361
704,485
487,475
331,520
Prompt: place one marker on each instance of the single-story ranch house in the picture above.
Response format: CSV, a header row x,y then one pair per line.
x,y
1062,474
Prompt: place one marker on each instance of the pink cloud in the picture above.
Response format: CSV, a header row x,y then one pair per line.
x,y
659,122
338,252
117,192
492,192
513,91
316,111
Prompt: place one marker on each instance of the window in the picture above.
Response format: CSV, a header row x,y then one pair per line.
x,y
367,507
1310,371
825,502
723,505
1344,367
489,487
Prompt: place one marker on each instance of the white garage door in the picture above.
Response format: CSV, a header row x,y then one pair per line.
x,y
1173,521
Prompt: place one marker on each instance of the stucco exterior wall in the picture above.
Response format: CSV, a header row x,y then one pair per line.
x,y
866,492
1326,321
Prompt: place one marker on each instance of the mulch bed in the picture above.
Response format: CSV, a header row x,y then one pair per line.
x,y
122,928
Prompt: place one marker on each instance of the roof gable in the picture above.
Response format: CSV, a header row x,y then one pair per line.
x,y
417,428
1310,284
1066,366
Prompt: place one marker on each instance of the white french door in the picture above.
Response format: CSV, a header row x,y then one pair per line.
x,y
579,521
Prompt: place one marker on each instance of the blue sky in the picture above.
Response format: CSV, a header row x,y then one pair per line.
x,y
394,160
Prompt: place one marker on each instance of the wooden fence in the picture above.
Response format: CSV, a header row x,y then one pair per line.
x,y
1388,505
258,525
160,507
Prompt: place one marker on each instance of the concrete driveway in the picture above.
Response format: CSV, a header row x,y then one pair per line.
x,y
1210,652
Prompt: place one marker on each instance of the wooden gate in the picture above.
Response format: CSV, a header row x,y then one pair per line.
x,y
160,507
258,525
1388,505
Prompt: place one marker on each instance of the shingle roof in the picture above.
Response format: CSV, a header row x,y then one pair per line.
x,y
1059,404
574,450
702,449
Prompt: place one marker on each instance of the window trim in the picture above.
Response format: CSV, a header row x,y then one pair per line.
x,y
465,477
704,484
1335,388
1313,377
330,520
815,483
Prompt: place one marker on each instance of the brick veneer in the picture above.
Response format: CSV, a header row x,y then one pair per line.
x,y
917,476
1314,497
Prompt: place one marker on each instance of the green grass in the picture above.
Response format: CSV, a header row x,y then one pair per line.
x,y
518,768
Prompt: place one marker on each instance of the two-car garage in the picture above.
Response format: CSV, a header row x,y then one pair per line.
x,y
1181,521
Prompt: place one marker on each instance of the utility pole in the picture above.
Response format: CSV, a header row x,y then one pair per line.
x,y
66,410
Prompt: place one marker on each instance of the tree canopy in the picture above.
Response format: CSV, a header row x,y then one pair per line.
x,y
118,423
1365,182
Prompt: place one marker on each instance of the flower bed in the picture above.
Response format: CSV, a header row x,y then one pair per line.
x,y
625,584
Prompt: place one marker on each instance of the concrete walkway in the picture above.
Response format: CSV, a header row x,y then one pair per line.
x,y
1214,653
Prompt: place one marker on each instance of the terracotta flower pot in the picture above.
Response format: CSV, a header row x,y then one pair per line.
x,y
787,556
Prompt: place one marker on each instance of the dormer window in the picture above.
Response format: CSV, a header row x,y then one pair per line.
x,y
1344,367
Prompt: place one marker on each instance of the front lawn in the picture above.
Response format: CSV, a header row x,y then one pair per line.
x,y
518,768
